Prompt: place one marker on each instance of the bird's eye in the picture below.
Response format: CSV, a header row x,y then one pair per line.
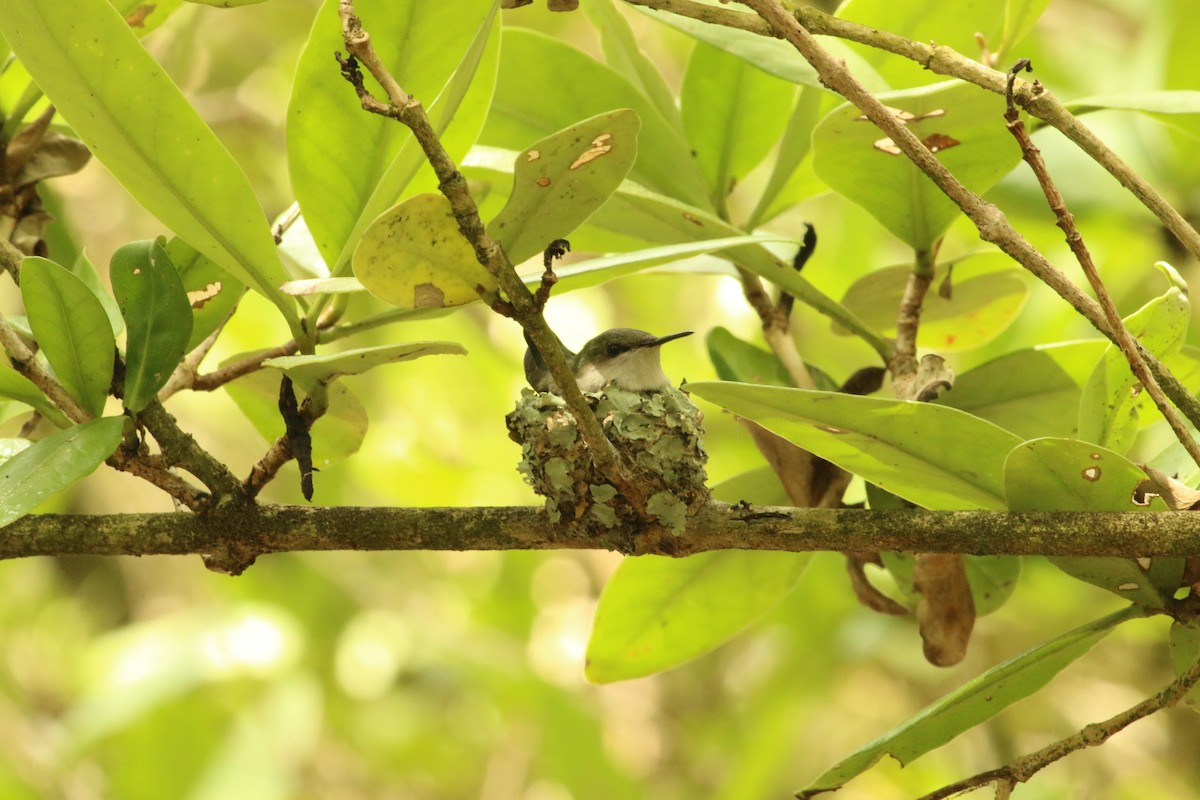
x,y
613,350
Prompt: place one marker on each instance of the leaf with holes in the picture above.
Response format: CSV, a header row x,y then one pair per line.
x,y
157,314
47,467
561,180
212,292
414,256
954,119
71,328
934,456
545,85
1070,475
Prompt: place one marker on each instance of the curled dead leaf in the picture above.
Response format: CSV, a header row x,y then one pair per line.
x,y
1177,495
864,590
810,482
946,611
932,377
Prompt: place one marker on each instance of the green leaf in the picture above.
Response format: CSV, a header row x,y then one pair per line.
x,y
51,465
987,295
1108,409
774,56
639,215
1070,475
656,613
309,370
212,293
86,59
71,328
1175,108
854,158
157,313
155,15
347,166
730,115
1184,642
934,456
595,271
787,183
956,25
546,85
1032,392
16,386
622,53
975,701
458,115
735,360
336,435
85,270
559,181
414,256
576,275
226,3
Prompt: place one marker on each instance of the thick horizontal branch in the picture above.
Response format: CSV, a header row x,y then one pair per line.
x,y
232,540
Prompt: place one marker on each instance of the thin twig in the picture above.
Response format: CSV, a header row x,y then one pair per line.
x,y
990,221
944,60
24,362
1025,767
404,109
181,450
1066,221
211,381
908,316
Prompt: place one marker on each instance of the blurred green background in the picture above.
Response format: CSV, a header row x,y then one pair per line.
x,y
429,675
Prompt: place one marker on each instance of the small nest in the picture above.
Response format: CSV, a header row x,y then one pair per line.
x,y
658,432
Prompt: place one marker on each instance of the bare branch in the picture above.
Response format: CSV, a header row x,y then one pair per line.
x,y
993,226
1094,735
1065,221
943,60
277,529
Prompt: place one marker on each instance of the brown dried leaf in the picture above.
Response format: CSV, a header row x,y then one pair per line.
x,y
810,482
56,155
864,590
946,611
932,378
1177,495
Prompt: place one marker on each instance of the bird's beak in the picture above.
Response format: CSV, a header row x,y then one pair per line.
x,y
664,339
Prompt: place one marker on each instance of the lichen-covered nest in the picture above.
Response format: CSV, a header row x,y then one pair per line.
x,y
658,432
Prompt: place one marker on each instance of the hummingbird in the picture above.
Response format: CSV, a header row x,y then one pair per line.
x,y
625,356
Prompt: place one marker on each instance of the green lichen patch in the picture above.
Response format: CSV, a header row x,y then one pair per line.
x,y
658,432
